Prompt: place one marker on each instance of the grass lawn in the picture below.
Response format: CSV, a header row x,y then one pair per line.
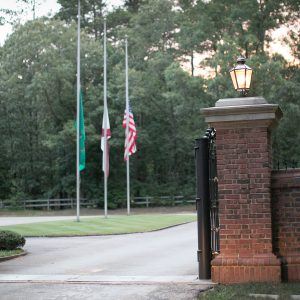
x,y
242,291
100,225
4,253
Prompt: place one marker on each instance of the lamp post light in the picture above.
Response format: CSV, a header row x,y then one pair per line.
x,y
241,76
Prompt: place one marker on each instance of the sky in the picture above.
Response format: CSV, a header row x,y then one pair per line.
x,y
45,7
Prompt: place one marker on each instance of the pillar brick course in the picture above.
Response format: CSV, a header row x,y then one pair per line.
x,y
286,221
244,175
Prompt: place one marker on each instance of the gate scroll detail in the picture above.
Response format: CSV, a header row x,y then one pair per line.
x,y
213,192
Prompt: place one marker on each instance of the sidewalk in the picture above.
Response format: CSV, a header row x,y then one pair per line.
x,y
90,291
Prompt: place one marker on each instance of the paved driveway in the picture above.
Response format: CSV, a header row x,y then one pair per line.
x,y
154,265
169,252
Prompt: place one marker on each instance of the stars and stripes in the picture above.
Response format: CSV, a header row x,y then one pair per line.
x,y
130,139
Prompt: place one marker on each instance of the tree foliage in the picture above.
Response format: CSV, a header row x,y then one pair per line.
x,y
91,14
38,91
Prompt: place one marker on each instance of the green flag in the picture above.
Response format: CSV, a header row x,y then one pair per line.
x,y
82,136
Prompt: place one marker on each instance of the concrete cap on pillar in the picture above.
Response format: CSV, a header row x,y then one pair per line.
x,y
241,110
240,101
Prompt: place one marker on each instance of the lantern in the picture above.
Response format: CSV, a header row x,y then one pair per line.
x,y
241,76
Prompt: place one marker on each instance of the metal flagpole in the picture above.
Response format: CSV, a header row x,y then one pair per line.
x,y
105,123
33,9
78,110
127,127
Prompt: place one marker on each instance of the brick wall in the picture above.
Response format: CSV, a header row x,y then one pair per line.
x,y
244,174
286,221
244,185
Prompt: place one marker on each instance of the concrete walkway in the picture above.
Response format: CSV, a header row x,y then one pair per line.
x,y
50,291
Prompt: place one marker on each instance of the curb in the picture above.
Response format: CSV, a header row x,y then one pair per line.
x,y
4,258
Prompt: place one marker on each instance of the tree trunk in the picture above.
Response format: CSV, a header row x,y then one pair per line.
x,y
192,63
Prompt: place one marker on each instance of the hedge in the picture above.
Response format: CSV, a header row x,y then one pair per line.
x,y
10,240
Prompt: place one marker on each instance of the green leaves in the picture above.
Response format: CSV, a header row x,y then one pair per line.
x,y
38,91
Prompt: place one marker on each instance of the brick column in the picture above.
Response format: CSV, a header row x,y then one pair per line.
x,y
286,221
244,173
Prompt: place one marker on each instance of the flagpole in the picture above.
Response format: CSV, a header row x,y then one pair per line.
x,y
78,120
105,123
127,126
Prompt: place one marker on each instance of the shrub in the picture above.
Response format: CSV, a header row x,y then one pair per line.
x,y
11,240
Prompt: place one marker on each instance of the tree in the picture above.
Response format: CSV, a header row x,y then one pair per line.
x,y
191,37
151,31
38,84
132,5
251,26
38,105
92,12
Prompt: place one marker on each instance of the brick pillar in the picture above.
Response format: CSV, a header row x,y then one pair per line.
x,y
286,221
244,173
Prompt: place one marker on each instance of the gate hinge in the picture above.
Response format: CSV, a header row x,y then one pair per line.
x,y
199,255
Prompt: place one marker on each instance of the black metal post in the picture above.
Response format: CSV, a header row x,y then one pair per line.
x,y
203,212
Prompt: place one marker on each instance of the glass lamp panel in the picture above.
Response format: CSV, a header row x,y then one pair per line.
x,y
248,78
233,78
241,79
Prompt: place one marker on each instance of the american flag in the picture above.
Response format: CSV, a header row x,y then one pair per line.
x,y
130,145
105,124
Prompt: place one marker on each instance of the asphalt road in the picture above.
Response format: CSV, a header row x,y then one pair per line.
x,y
154,265
169,252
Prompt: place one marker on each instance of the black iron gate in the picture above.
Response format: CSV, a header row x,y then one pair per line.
x,y
207,201
213,192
